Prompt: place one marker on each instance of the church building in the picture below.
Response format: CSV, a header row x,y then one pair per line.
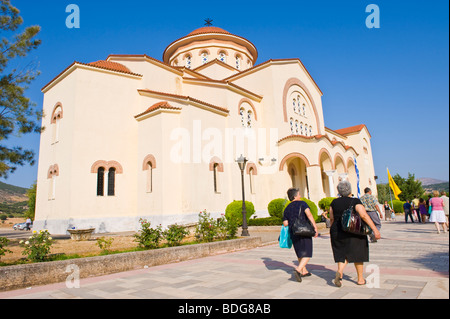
x,y
132,137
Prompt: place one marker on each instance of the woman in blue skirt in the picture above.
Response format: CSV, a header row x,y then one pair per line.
x,y
303,245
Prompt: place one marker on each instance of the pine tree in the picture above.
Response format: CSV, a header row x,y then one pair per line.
x,y
18,115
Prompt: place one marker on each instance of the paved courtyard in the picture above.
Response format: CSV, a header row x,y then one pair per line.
x,y
410,261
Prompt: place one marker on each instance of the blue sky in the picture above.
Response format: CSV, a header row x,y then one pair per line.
x,y
394,79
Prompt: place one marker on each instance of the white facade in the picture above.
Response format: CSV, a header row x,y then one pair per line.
x,y
165,135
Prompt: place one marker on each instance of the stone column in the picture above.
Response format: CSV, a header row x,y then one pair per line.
x,y
330,182
315,183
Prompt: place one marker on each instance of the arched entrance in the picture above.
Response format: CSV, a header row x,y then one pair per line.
x,y
296,165
327,170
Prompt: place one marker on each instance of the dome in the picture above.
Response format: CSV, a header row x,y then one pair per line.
x,y
210,37
208,30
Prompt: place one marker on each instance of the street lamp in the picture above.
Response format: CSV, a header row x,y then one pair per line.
x,y
241,162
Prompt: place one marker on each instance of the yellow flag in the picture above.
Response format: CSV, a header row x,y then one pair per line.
x,y
393,186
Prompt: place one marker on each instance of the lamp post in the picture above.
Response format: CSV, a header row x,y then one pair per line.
x,y
241,162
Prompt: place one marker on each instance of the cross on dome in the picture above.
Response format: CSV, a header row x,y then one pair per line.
x,y
208,22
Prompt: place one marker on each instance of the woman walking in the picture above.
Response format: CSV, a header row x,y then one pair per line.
x,y
302,245
387,211
347,247
437,212
423,210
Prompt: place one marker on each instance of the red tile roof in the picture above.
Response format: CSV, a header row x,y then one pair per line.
x,y
114,66
159,105
209,30
352,129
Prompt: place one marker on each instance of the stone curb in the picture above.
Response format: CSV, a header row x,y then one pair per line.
x,y
37,274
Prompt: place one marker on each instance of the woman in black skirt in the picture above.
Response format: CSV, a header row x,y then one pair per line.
x,y
347,247
302,245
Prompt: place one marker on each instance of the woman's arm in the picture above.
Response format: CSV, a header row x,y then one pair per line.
x,y
331,216
365,217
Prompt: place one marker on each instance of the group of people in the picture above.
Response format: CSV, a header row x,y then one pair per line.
x,y
434,209
348,247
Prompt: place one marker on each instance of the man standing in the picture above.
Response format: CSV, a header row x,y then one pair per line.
x,y
415,206
408,211
371,205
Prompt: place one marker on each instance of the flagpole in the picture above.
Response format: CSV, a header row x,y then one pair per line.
x,y
390,195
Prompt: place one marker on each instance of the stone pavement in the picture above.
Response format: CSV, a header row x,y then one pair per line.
x,y
410,261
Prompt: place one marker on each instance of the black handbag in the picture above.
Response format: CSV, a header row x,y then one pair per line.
x,y
353,223
302,226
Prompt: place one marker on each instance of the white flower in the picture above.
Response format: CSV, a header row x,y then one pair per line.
x,y
27,242
50,238
21,242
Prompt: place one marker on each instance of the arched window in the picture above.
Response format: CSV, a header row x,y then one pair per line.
x,y
53,172
292,125
222,57
106,169
310,131
251,174
249,119
100,181
304,109
188,61
238,62
111,181
242,113
215,170
57,115
294,105
296,127
204,57
301,128
216,167
149,177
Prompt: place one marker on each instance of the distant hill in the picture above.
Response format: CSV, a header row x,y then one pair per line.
x,y
437,187
430,181
12,194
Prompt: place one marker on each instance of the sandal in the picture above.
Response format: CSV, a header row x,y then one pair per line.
x,y
338,280
298,275
362,283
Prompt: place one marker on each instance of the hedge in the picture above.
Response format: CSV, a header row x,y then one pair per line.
x,y
234,211
276,207
267,221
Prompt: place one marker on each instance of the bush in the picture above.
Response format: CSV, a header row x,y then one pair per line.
x,y
268,221
397,205
276,207
175,234
234,211
3,243
314,210
38,246
105,244
324,203
206,228
148,238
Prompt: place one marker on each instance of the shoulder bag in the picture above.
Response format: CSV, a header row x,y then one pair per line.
x,y
353,223
302,226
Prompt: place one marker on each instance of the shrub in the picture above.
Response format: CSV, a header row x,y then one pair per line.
x,y
104,244
38,246
397,205
148,238
234,211
268,221
276,207
3,243
324,203
206,228
175,234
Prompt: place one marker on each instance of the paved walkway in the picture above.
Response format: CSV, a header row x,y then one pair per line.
x,y
410,261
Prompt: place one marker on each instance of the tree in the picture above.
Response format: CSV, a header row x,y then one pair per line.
x,y
31,193
410,187
17,113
